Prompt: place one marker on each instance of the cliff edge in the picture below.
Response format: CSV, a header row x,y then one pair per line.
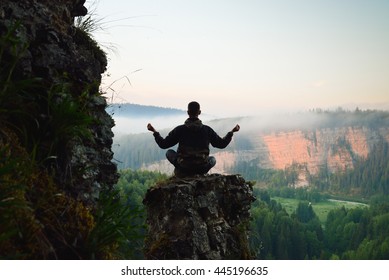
x,y
50,75
55,135
202,217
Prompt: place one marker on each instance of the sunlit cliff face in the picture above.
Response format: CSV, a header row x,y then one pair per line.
x,y
278,150
314,148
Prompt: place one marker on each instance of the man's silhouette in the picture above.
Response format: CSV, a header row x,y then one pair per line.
x,y
193,138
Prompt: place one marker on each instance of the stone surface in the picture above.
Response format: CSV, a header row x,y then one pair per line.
x,y
59,54
202,217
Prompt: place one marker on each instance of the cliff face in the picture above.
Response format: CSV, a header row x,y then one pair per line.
x,y
55,135
336,147
204,217
61,66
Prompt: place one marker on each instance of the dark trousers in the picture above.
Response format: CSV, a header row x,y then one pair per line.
x,y
171,156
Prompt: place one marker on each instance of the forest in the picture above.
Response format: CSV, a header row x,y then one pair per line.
x,y
355,233
370,175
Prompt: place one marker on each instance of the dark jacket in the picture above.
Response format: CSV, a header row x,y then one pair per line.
x,y
193,136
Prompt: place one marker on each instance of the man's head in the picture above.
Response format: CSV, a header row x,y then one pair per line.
x,y
194,109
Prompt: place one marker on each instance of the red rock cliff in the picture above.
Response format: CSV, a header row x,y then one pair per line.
x,y
337,147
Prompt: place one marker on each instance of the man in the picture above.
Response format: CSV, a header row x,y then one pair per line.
x,y
193,138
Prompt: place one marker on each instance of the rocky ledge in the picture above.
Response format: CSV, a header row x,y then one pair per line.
x,y
202,217
40,38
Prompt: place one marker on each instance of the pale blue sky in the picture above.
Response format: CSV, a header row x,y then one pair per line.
x,y
245,56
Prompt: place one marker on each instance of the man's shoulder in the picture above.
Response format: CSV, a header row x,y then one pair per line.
x,y
207,127
178,128
181,126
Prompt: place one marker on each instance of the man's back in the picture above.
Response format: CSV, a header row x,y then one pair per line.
x,y
193,134
193,139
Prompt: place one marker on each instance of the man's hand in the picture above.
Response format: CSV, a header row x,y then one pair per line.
x,y
236,128
151,128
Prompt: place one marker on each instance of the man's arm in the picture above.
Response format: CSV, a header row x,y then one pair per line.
x,y
164,143
219,142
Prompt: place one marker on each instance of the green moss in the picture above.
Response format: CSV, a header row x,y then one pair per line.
x,y
240,233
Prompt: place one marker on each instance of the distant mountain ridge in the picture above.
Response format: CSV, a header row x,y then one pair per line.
x,y
139,111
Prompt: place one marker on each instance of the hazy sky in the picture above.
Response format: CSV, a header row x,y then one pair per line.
x,y
241,57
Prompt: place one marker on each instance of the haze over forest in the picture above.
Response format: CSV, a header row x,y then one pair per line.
x,y
133,118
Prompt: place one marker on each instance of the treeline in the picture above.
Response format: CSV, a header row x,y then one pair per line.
x,y
303,194
373,119
132,151
368,177
278,235
129,210
134,184
357,233
271,178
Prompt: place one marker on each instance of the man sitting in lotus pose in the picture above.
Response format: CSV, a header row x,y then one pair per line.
x,y
193,138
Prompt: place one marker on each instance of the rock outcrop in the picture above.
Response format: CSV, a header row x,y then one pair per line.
x,y
40,43
202,217
55,135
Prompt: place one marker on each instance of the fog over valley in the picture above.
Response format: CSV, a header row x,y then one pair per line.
x,y
306,140
133,119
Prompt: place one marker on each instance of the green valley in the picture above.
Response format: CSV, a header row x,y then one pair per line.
x,y
321,208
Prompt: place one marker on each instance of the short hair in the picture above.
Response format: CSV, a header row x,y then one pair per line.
x,y
193,108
